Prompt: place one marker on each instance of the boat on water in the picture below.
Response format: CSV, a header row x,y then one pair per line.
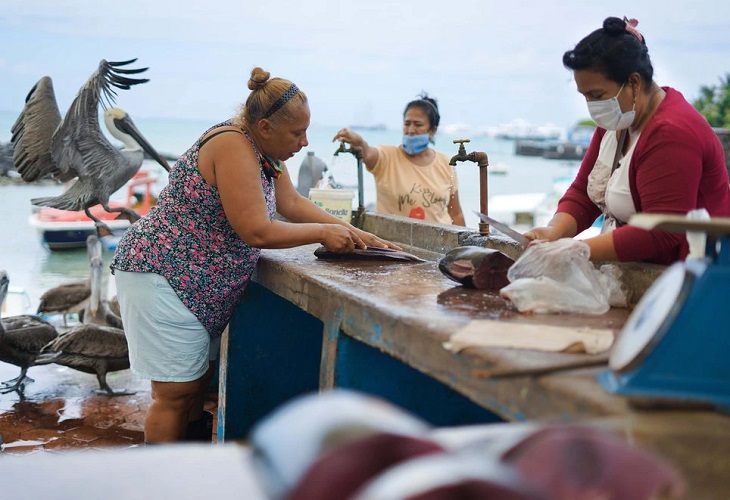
x,y
574,147
521,130
369,126
499,169
65,229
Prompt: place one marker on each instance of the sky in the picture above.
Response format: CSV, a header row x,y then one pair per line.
x,y
487,62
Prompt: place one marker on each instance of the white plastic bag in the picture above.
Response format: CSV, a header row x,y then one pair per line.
x,y
558,277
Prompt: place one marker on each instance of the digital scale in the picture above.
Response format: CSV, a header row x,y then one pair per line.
x,y
675,344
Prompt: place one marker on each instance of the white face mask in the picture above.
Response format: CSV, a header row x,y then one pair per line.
x,y
607,113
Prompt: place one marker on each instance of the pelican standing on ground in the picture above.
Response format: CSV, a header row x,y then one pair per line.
x,y
21,340
75,147
97,309
90,349
73,297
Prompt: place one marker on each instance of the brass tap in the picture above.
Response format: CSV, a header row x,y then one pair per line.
x,y
357,218
478,157
482,161
356,152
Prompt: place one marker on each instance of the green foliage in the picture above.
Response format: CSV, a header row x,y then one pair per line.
x,y
714,103
586,123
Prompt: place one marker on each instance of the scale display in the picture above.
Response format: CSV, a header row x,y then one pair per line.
x,y
651,319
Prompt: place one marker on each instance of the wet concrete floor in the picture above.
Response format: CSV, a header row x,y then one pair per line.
x,y
61,412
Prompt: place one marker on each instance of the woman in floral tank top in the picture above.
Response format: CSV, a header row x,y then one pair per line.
x,y
182,269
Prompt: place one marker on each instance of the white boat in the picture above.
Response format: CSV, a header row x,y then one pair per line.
x,y
499,169
521,129
524,211
17,302
459,128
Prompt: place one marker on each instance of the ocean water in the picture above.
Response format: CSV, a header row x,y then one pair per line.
x,y
33,268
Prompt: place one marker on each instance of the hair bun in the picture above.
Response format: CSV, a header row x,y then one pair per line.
x,y
258,79
614,26
425,97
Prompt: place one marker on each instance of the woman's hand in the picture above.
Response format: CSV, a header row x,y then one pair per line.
x,y
548,233
562,225
350,137
373,241
369,154
338,238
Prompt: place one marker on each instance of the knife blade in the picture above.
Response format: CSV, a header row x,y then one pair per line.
x,y
504,228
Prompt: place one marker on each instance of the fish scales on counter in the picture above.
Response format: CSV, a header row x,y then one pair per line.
x,y
476,267
369,253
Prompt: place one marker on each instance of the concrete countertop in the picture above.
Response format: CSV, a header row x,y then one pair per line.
x,y
409,310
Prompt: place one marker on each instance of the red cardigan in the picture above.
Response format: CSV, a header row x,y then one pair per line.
x,y
678,165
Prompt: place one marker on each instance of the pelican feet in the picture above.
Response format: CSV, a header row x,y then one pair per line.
x,y
18,386
111,392
102,230
20,379
127,213
106,390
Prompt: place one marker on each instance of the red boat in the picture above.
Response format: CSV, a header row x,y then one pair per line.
x,y
64,229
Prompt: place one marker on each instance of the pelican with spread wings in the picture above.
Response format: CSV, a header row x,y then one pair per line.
x,y
76,148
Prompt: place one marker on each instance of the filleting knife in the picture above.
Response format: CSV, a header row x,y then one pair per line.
x,y
504,228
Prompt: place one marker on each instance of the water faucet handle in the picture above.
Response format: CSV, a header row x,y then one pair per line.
x,y
460,142
341,149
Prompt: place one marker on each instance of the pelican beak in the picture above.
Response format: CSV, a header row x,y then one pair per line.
x,y
95,281
93,247
4,285
127,125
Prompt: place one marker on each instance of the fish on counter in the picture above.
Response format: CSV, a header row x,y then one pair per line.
x,y
369,253
476,267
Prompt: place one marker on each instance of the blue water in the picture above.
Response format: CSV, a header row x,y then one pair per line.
x,y
35,269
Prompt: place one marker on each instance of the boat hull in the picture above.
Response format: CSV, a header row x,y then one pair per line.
x,y
72,234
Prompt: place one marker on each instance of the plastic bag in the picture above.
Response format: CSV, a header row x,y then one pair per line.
x,y
558,277
697,240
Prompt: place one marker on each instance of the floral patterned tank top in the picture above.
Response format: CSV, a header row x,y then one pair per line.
x,y
187,239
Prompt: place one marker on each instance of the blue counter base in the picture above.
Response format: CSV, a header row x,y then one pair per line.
x,y
276,351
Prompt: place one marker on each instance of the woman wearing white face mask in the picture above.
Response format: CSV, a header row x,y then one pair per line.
x,y
652,152
412,180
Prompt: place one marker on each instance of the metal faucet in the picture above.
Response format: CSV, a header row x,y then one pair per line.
x,y
357,153
482,161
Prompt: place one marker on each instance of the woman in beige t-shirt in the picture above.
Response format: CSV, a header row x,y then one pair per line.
x,y
412,180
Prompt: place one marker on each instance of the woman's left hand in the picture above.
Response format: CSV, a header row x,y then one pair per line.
x,y
373,241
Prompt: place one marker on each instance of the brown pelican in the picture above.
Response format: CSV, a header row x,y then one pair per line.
x,y
6,158
75,147
70,298
97,310
21,340
93,349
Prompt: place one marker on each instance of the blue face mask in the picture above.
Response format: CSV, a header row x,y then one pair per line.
x,y
414,144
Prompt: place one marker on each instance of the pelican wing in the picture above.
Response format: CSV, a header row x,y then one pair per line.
x,y
82,194
79,148
33,131
28,334
90,340
64,296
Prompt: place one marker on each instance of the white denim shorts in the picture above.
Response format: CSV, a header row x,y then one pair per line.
x,y
166,341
